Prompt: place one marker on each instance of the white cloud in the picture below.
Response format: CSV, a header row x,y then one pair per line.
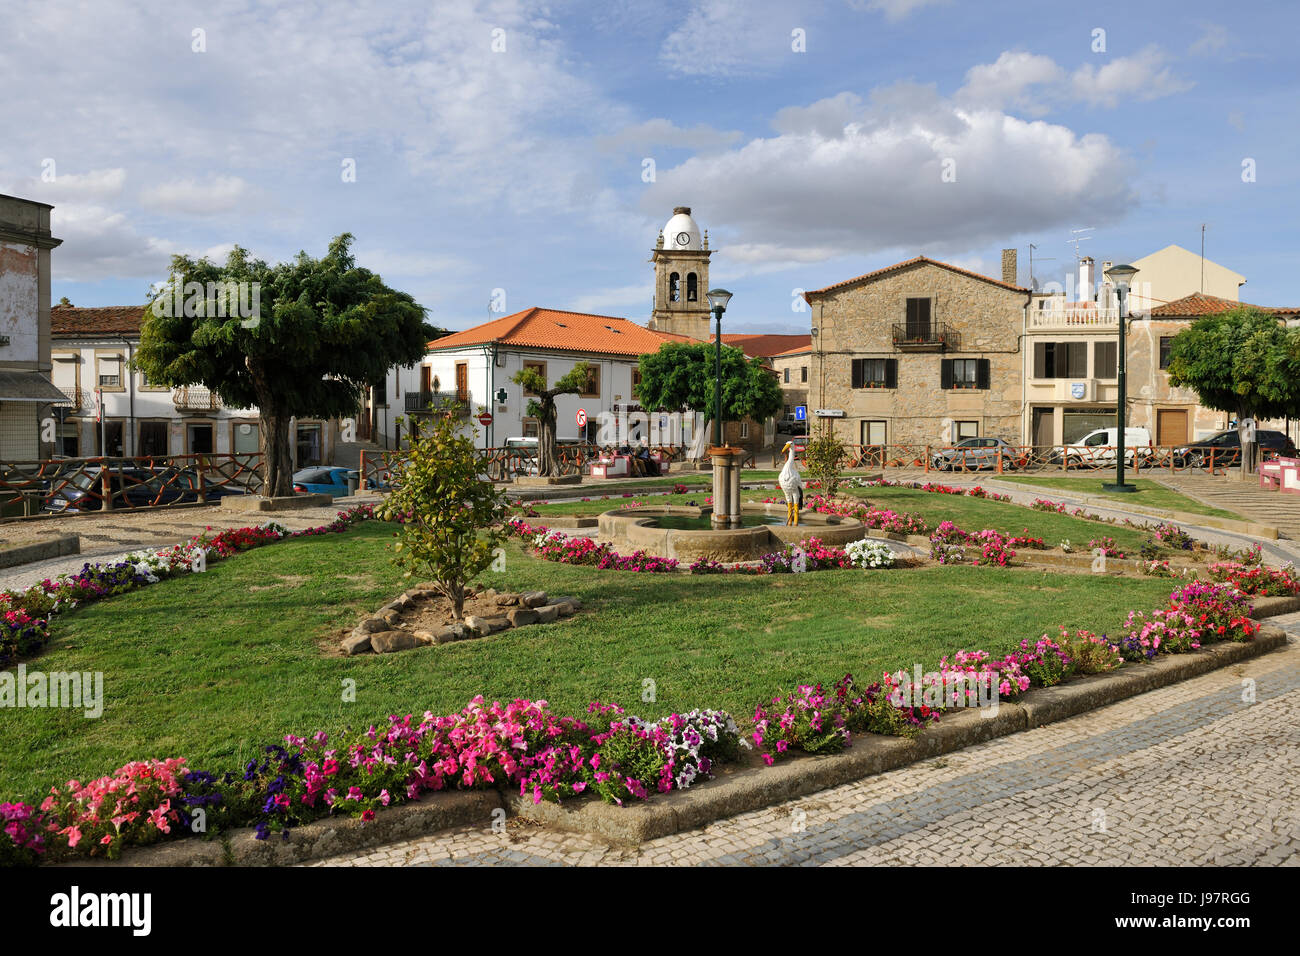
x,y
666,134
1213,38
734,38
408,262
1143,76
101,243
218,194
894,10
1007,81
814,191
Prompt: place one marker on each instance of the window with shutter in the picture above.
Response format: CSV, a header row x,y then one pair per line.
x,y
1077,360
1103,359
945,373
1040,359
891,373
918,319
982,373
857,375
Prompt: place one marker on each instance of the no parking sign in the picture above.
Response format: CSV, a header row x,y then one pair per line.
x,y
581,418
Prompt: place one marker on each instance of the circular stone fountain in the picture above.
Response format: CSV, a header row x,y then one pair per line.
x,y
683,532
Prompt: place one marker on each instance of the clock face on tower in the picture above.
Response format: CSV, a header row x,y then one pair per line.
x,y
683,238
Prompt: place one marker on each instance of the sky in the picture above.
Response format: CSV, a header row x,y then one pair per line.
x,y
509,153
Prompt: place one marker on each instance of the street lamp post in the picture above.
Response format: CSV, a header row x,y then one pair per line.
x,y
1121,275
718,299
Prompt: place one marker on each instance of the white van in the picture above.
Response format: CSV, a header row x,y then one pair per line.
x,y
1099,446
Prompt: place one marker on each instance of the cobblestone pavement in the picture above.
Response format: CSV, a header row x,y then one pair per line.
x,y
1184,775
111,534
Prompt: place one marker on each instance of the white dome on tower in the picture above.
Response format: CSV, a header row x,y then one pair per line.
x,y
681,231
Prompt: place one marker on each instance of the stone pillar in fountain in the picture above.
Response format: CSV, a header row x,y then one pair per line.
x,y
726,486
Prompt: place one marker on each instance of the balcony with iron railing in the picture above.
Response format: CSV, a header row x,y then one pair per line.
x,y
426,403
195,398
928,337
78,398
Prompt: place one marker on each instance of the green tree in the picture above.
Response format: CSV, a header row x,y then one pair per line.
x,y
542,407
681,375
823,457
302,338
450,516
1243,362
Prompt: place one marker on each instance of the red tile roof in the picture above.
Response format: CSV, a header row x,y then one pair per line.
x,y
765,346
1198,303
899,266
68,321
567,331
797,350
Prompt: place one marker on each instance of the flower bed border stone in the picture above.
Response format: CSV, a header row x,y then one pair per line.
x,y
40,550
735,789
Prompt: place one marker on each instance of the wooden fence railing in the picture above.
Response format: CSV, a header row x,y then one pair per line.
x,y
74,485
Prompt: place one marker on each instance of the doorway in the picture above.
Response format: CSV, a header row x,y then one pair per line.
x,y
1171,426
1043,427
199,438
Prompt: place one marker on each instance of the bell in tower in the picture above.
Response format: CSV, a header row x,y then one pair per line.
x,y
681,262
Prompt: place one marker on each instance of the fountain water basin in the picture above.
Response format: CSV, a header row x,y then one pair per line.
x,y
763,531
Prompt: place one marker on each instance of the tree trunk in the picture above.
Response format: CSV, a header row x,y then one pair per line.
x,y
546,454
277,460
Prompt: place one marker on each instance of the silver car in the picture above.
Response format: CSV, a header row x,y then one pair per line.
x,y
975,453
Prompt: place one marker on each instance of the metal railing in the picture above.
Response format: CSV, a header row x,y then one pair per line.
x,y
426,403
381,470
936,335
196,398
75,485
1044,458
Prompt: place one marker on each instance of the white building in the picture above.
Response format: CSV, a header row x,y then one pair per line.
x,y
475,367
111,409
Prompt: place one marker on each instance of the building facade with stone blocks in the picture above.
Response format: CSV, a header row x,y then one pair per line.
x,y
920,352
793,371
1174,415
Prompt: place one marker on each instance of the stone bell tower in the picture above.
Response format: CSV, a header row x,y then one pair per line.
x,y
681,261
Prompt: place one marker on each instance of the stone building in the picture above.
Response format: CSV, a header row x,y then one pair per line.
x,y
919,352
1174,415
26,393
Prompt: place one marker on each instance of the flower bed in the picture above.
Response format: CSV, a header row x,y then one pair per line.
x,y
1256,580
526,747
25,626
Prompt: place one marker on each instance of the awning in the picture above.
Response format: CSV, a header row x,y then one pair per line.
x,y
29,387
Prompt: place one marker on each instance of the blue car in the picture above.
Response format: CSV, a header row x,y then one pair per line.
x,y
323,481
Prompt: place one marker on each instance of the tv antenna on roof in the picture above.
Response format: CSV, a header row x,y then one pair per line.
x,y
1033,283
1077,236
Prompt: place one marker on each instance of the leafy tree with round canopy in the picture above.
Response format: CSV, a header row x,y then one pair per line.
x,y
320,332
541,405
681,375
1244,362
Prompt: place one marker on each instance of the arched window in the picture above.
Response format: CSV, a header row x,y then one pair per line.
x,y
674,288
692,288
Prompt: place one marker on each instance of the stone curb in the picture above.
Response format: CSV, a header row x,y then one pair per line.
x,y
1110,504
736,789
40,551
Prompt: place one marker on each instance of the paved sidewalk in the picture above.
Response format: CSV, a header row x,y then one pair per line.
x,y
1184,775
1282,511
108,535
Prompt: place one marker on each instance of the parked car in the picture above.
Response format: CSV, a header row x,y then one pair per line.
x,y
792,426
1097,448
133,487
324,481
973,453
1226,448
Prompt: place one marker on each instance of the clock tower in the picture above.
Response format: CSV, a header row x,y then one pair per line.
x,y
681,261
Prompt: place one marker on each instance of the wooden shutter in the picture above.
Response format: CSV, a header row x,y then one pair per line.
x,y
982,373
858,373
1077,360
891,373
945,373
1040,360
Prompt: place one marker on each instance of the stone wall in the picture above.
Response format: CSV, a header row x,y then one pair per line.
x,y
857,322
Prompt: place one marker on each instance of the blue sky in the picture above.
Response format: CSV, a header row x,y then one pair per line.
x,y
522,167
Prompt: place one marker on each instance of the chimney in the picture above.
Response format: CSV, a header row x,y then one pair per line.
x,y
1009,266
1087,288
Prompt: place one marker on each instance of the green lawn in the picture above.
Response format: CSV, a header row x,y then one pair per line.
x,y
1149,493
970,514
210,666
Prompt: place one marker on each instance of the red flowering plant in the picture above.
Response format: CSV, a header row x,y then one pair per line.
x,y
22,824
993,550
1045,661
1256,579
1106,546
136,804
1090,653
1222,612
805,719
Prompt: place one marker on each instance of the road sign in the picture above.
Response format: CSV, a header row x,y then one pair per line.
x,y
801,413
581,418
485,419
830,413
